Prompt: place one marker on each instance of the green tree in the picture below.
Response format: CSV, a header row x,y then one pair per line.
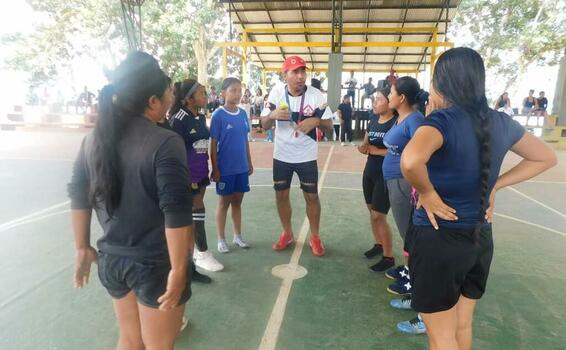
x,y
512,34
173,30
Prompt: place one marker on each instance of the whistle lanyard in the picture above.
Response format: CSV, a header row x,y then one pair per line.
x,y
289,105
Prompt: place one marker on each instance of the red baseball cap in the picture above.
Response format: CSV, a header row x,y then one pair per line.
x,y
292,63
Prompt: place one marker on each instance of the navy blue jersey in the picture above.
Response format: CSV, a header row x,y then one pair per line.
x,y
454,169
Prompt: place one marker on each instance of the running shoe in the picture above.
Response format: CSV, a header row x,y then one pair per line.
x,y
400,287
199,277
317,247
285,240
414,326
376,250
205,260
240,242
223,247
401,304
397,272
383,264
184,323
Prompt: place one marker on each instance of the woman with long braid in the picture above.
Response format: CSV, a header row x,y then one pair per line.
x,y
453,161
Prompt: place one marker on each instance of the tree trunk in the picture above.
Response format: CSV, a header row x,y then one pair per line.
x,y
199,46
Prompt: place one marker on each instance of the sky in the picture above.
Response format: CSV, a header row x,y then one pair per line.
x,y
89,72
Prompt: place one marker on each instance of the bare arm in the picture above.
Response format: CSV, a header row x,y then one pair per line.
x,y
179,243
85,254
267,122
537,157
326,125
250,165
374,151
276,114
214,160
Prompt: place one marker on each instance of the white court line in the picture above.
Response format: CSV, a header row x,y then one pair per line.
x,y
537,202
34,219
39,212
269,340
531,223
546,182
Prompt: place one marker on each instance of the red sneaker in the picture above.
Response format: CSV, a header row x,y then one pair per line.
x,y
317,247
285,240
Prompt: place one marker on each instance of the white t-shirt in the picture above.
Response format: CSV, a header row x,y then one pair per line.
x,y
351,83
288,147
335,118
247,108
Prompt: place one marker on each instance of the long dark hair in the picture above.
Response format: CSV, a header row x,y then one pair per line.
x,y
183,89
133,82
410,87
459,75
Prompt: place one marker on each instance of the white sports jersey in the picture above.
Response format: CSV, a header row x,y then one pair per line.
x,y
290,146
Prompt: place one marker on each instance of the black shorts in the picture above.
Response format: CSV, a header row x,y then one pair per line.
x,y
447,263
197,186
147,278
307,172
375,192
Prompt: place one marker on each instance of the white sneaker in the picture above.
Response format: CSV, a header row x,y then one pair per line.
x,y
352,144
223,247
342,144
206,261
184,323
240,242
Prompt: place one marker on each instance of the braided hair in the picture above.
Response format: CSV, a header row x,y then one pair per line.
x,y
459,75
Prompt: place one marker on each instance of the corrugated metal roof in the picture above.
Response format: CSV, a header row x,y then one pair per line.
x,y
254,14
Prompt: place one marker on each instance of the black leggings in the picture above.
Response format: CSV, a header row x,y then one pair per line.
x,y
346,130
337,131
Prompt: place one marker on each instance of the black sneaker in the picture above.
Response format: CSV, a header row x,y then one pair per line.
x,y
376,250
199,277
398,272
383,264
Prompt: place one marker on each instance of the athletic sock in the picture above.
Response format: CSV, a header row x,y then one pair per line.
x,y
199,218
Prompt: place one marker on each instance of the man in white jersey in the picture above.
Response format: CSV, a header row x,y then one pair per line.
x,y
296,110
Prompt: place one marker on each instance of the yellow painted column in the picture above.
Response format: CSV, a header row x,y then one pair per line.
x,y
433,53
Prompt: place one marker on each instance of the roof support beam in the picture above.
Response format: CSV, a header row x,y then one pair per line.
x,y
327,30
328,44
384,21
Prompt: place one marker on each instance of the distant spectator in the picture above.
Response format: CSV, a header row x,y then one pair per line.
x,y
351,84
529,103
369,89
542,103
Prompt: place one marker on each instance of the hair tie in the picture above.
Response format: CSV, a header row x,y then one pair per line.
x,y
192,90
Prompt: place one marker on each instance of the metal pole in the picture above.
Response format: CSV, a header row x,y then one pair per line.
x,y
224,63
245,59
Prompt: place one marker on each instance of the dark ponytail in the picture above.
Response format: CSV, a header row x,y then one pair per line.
x,y
409,87
459,75
183,90
421,100
133,82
